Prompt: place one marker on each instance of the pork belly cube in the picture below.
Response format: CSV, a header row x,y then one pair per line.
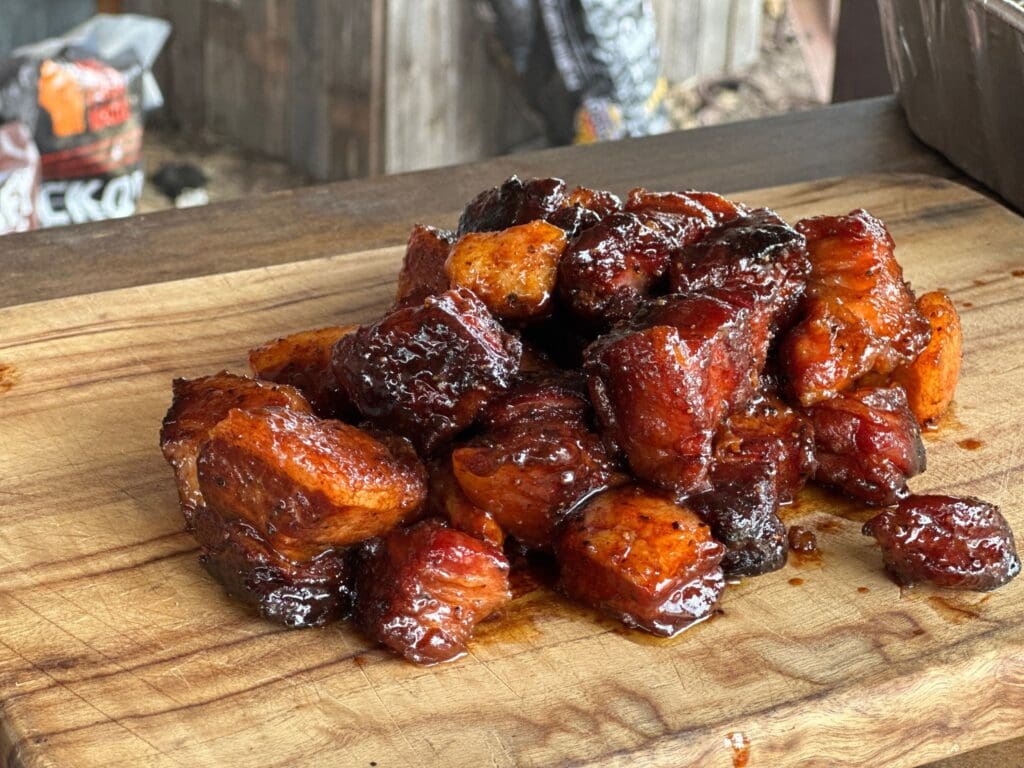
x,y
867,443
858,315
743,513
957,543
535,457
513,271
421,591
546,394
307,594
584,208
766,432
448,502
642,559
197,406
422,273
424,372
683,217
528,475
307,485
303,361
756,252
609,268
514,202
930,381
661,385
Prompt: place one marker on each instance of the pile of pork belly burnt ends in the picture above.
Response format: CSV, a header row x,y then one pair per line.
x,y
618,393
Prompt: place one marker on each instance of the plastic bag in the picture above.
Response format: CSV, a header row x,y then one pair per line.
x,y
83,96
590,67
19,179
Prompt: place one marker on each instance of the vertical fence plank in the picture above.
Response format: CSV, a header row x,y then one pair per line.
x,y
712,41
744,33
678,23
446,100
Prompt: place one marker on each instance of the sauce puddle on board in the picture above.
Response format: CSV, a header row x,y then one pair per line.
x,y
739,743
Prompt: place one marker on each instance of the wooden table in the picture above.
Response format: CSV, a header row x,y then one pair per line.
x,y
854,138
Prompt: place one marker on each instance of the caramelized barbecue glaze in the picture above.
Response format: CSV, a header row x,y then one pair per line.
x,y
627,392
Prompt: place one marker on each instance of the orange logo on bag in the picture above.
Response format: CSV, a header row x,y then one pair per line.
x,y
63,98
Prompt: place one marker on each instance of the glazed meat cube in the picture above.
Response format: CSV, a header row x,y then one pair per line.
x,y
958,543
867,444
303,361
528,475
765,432
514,202
305,484
609,268
542,395
198,405
421,591
756,252
448,502
424,372
661,386
423,272
535,459
642,559
513,271
756,262
306,594
743,514
584,208
858,313
930,381
684,217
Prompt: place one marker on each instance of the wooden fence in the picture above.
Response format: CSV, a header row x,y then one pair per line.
x,y
349,88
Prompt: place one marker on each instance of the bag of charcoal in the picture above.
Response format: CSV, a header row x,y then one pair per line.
x,y
83,96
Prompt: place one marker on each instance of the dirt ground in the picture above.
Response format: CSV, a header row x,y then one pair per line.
x,y
779,82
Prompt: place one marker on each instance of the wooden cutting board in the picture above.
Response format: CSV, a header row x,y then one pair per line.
x,y
117,650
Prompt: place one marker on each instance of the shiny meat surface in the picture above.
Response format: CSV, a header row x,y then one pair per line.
x,y
512,271
957,543
535,459
683,217
514,202
766,433
661,386
858,315
421,591
528,475
755,253
197,406
609,268
640,558
868,444
447,501
763,453
424,372
930,381
423,272
305,484
298,595
303,360
583,209
541,395
743,514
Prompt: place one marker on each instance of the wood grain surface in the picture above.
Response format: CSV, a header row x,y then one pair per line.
x,y
116,649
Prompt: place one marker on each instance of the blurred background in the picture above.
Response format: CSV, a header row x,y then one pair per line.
x,y
261,95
